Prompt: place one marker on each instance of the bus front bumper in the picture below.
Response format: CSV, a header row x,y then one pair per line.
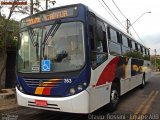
x,y
78,103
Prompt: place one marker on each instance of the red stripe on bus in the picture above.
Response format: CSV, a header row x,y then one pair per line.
x,y
108,74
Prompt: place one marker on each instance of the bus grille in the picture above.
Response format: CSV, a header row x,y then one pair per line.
x,y
43,83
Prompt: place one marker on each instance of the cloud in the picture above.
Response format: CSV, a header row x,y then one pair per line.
x,y
153,42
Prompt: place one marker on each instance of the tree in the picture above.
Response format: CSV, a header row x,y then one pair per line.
x,y
5,23
6,33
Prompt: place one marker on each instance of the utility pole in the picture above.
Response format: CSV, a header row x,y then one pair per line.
x,y
128,25
155,60
31,7
46,4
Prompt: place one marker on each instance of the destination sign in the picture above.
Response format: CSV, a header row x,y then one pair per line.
x,y
50,15
57,15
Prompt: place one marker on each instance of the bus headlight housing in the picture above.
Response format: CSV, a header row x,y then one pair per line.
x,y
80,87
77,88
72,91
20,88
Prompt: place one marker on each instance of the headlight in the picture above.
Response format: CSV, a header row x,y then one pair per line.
x,y
20,88
72,91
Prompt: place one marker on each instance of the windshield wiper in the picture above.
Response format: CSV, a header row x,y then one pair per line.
x,y
51,33
34,39
32,34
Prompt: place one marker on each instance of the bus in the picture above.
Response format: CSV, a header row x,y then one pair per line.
x,y
70,59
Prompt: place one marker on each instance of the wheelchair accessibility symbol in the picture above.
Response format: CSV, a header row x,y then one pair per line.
x,y
46,65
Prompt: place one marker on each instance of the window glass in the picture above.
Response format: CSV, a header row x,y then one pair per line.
x,y
119,38
125,50
65,49
143,50
29,50
99,54
136,46
113,35
139,48
114,48
129,43
124,41
133,45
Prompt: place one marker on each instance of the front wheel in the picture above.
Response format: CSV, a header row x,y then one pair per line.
x,y
114,98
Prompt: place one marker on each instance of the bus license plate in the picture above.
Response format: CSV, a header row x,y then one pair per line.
x,y
41,103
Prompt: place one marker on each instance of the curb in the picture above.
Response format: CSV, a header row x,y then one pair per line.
x,y
7,94
7,99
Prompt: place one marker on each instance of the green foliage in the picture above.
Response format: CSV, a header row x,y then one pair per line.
x,y
134,54
157,61
137,54
11,33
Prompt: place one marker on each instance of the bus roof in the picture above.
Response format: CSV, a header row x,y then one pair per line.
x,y
97,14
111,24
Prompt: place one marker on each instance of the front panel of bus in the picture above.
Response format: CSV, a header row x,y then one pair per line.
x,y
52,54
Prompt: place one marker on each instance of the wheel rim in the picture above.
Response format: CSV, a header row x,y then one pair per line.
x,y
114,96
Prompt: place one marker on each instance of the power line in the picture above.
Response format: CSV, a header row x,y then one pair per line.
x,y
127,19
137,35
113,13
107,11
119,9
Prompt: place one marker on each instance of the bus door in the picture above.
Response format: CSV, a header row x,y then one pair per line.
x,y
99,56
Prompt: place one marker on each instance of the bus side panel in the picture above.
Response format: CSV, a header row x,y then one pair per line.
x,y
99,94
125,83
147,66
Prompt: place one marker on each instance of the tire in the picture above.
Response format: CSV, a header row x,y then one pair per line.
x,y
114,98
143,82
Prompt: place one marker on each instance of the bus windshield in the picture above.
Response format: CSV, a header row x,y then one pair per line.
x,y
61,44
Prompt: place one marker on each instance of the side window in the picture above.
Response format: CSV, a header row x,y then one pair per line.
x,y
145,51
136,46
129,43
114,43
125,50
98,43
141,49
133,45
92,22
114,48
124,41
113,35
119,38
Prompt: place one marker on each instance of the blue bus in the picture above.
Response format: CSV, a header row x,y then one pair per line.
x,y
70,59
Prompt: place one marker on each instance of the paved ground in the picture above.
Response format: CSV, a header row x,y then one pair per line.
x,y
138,101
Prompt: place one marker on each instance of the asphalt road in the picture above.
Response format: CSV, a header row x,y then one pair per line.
x,y
137,104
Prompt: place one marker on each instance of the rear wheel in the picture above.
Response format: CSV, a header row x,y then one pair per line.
x,y
114,98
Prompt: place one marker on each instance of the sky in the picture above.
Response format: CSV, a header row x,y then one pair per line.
x,y
147,26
